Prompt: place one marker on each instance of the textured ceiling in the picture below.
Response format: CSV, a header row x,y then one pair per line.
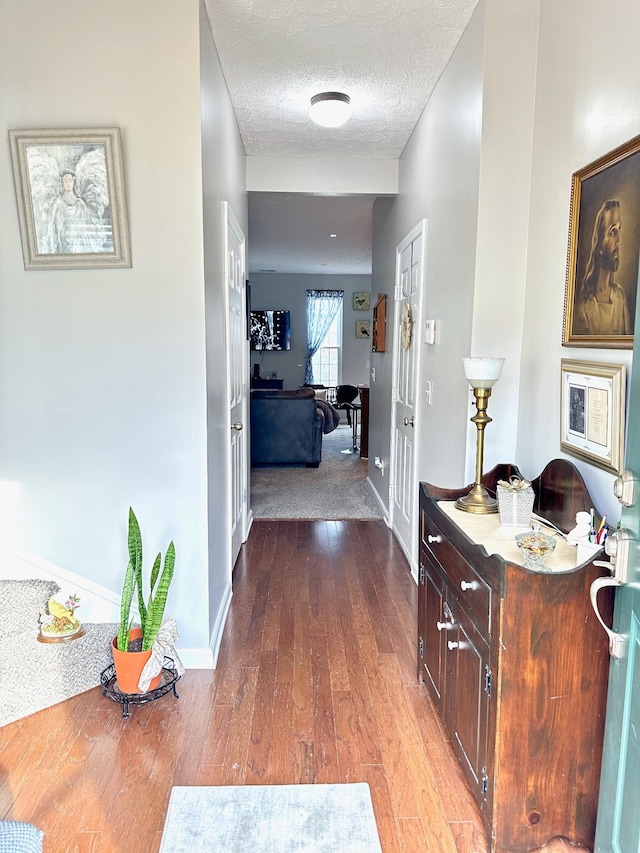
x,y
291,233
386,55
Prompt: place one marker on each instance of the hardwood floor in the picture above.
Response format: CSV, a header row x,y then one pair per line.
x,y
316,682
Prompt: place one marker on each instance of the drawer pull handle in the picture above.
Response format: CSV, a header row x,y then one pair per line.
x,y
465,585
442,626
433,539
452,645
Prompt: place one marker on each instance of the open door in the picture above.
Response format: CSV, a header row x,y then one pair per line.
x,y
618,826
237,378
403,486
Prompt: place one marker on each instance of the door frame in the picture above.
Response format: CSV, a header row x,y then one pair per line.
x,y
418,230
230,224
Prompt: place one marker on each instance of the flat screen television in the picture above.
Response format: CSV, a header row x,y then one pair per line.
x,y
270,330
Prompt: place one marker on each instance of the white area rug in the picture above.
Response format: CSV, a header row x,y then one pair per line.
x,y
271,819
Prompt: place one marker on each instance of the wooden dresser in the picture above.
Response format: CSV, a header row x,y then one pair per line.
x,y
516,662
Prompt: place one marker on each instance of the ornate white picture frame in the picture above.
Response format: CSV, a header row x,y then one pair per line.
x,y
592,410
71,198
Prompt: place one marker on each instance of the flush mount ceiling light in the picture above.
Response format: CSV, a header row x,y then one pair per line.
x,y
330,109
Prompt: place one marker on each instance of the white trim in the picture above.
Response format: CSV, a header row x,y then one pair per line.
x,y
385,510
99,604
221,620
196,658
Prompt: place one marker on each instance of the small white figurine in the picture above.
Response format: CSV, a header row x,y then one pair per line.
x,y
580,532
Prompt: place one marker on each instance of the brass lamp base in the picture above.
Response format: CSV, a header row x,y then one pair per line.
x,y
477,500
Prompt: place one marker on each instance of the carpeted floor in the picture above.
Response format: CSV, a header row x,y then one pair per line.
x,y
337,489
37,675
271,819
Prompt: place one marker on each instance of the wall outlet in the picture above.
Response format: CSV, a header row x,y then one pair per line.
x,y
373,374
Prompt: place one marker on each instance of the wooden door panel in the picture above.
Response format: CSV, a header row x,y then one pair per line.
x,y
469,714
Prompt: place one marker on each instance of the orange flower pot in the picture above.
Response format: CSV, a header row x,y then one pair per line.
x,y
129,666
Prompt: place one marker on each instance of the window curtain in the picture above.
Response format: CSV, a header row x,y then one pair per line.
x,y
322,307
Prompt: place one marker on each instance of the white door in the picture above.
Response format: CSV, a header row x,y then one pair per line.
x,y
237,372
406,319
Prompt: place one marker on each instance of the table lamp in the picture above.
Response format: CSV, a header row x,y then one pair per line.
x,y
482,374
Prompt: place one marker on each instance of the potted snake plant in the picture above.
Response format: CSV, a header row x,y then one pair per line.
x,y
132,646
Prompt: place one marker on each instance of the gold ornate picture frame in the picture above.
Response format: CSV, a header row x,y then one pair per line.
x,y
604,251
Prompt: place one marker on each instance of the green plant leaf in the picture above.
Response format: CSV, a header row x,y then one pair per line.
x,y
155,571
125,607
157,603
135,555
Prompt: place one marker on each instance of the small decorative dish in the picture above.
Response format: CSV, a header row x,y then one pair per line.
x,y
535,548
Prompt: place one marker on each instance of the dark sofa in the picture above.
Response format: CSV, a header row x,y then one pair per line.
x,y
287,427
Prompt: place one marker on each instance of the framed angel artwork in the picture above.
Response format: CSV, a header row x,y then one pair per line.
x,y
71,198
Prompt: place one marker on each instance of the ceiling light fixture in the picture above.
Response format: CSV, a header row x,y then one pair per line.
x,y
330,109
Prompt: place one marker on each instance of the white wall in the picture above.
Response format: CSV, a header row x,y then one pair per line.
x,y
102,374
289,293
439,177
533,92
588,78
223,177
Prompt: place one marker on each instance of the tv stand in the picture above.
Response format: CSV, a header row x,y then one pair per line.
x,y
277,384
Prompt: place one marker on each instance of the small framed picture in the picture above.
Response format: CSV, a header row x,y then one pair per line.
x,y
363,328
361,301
592,412
71,198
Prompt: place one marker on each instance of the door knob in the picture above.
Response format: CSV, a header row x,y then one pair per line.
x,y
452,644
433,540
408,421
465,585
237,426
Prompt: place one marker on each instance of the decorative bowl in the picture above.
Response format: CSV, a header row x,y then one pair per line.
x,y
535,547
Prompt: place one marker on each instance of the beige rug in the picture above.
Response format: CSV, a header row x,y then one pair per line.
x,y
337,489
36,675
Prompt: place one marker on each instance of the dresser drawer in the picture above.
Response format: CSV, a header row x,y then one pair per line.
x,y
471,590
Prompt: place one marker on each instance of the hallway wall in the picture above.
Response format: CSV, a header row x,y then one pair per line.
x,y
493,182
103,372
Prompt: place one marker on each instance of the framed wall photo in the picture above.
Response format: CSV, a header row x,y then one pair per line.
x,y
363,328
71,198
361,301
592,412
604,251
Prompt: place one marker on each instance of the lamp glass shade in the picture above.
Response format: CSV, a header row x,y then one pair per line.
x,y
482,372
330,109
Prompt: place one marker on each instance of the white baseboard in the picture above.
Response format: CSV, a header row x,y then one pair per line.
x,y
196,658
385,511
221,620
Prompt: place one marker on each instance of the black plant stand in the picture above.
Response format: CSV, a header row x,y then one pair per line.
x,y
168,679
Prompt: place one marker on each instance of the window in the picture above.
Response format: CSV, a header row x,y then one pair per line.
x,y
327,361
323,306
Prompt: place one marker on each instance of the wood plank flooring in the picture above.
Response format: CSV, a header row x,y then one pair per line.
x,y
316,682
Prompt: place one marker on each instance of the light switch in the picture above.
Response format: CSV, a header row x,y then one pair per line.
x,y
373,374
430,331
